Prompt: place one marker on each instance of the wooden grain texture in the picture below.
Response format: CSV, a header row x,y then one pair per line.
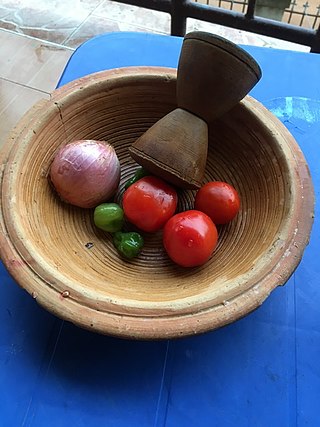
x,y
44,242
177,132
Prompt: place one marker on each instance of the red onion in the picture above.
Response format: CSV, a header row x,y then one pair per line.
x,y
85,173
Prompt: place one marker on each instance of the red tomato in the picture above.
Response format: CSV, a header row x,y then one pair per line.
x,y
219,200
189,238
149,203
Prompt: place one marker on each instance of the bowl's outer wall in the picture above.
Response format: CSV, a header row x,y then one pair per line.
x,y
150,297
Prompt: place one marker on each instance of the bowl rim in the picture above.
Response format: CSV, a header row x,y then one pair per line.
x,y
172,323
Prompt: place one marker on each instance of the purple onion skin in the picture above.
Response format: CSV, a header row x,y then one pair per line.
x,y
85,173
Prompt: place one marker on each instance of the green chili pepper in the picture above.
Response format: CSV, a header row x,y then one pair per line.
x,y
128,244
140,173
109,217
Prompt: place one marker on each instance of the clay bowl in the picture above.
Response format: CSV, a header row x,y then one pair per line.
x,y
72,269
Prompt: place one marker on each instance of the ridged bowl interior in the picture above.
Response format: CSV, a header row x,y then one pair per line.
x,y
70,267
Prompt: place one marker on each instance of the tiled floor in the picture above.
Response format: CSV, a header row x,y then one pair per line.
x,y
37,37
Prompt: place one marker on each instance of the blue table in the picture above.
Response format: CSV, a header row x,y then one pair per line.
x,y
262,371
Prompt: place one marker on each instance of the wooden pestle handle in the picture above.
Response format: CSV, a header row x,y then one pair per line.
x,y
214,74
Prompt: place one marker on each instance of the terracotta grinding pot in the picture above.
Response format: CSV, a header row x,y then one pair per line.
x,y
71,268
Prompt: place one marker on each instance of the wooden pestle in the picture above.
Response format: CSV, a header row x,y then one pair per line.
x,y
213,75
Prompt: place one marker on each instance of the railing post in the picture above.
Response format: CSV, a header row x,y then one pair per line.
x,y
250,9
315,48
178,17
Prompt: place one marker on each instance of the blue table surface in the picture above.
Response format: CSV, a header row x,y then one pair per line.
x,y
263,370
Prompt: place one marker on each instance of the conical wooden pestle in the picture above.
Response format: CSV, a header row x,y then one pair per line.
x,y
213,75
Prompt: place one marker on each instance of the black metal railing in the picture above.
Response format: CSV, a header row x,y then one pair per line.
x,y
180,10
291,12
299,13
